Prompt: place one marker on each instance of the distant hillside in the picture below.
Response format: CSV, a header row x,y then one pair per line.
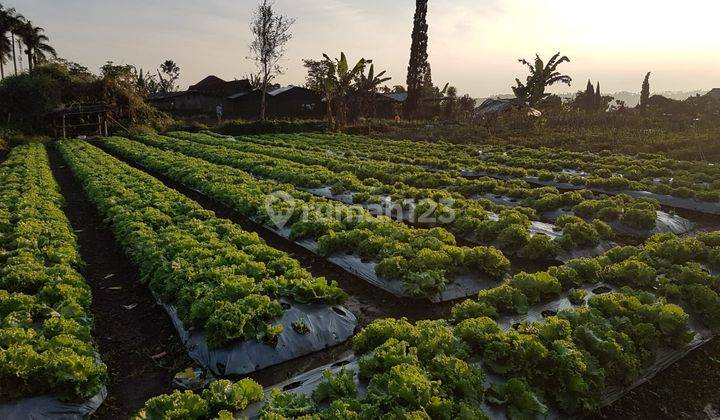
x,y
631,98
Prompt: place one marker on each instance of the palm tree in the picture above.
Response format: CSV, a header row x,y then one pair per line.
x,y
541,76
343,81
36,46
5,49
11,22
6,24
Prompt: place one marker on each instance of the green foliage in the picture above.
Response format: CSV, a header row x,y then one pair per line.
x,y
26,99
45,321
335,387
287,405
219,400
219,277
521,401
577,296
176,406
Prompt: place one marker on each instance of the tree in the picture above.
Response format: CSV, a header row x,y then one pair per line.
x,y
449,104
36,46
171,72
418,68
367,88
645,93
271,33
599,106
343,80
541,77
10,22
146,83
587,102
321,79
466,106
5,51
6,16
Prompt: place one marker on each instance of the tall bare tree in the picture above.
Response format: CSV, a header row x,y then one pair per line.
x,y
271,33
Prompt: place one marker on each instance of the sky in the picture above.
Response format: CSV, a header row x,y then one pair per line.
x,y
473,44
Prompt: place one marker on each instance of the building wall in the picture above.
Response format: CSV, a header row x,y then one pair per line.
x,y
295,103
189,104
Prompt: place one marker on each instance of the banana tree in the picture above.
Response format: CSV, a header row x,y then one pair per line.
x,y
541,76
343,81
367,87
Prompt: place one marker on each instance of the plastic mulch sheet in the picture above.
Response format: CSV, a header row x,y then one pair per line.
x,y
48,407
307,382
665,222
663,199
326,327
460,287
536,228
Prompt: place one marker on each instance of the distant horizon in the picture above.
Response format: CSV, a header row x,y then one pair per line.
x,y
473,46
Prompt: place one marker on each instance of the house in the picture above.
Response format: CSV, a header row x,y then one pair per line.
x,y
187,103
388,105
214,85
285,102
200,99
715,93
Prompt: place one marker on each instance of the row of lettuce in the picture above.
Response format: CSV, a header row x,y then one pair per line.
x,y
220,278
508,229
565,361
388,176
46,347
644,172
426,260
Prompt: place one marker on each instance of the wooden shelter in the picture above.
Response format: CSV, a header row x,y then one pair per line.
x,y
81,119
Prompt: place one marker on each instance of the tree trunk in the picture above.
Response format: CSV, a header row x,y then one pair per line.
x,y
30,60
331,120
12,35
2,69
263,99
262,106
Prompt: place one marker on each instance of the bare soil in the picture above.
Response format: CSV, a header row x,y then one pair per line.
x,y
686,390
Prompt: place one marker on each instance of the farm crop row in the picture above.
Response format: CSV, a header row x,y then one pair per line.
x,y
644,172
628,216
46,346
426,260
563,361
221,279
510,230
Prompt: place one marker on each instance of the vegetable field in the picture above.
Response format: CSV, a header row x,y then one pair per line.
x,y
545,282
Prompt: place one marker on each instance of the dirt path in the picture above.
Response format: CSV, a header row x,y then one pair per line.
x,y
128,338
686,390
